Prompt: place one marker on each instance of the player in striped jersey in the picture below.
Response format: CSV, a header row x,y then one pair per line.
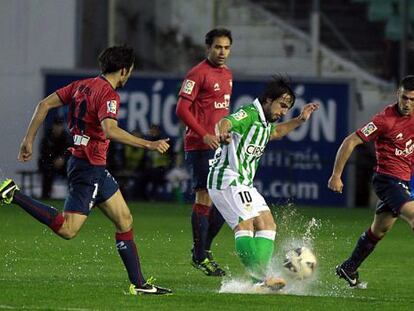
x,y
244,136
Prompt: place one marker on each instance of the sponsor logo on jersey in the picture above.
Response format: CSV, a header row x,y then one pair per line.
x,y
188,86
111,106
369,129
254,150
223,105
409,148
240,115
216,87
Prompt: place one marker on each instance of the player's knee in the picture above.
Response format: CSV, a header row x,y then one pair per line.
x,y
68,234
125,222
272,226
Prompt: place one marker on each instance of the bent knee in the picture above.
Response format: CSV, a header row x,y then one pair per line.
x,y
125,223
67,234
272,226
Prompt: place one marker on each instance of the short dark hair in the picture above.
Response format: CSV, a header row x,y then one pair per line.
x,y
407,83
276,88
115,58
217,32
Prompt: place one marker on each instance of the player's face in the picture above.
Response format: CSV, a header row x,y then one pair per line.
x,y
277,108
405,101
219,50
125,74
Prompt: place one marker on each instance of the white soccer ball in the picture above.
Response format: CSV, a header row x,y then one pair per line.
x,y
300,263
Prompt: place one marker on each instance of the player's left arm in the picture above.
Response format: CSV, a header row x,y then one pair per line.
x,y
38,117
285,128
115,133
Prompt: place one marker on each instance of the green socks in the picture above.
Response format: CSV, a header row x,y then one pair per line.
x,y
255,253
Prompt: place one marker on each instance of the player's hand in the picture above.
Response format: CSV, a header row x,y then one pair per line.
x,y
25,152
225,138
161,145
212,141
307,110
335,184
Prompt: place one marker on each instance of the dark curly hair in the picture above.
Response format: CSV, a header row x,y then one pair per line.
x,y
218,32
276,88
115,58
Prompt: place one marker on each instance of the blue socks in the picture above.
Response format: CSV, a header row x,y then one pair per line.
x,y
128,251
364,247
46,214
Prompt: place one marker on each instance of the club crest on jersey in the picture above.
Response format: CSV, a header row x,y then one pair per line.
x,y
240,115
111,106
188,86
369,129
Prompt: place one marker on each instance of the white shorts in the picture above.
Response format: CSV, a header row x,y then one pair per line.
x,y
237,203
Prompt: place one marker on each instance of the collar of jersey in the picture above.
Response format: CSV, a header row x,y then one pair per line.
x,y
105,79
259,108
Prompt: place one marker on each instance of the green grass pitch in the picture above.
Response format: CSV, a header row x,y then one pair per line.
x,y
40,271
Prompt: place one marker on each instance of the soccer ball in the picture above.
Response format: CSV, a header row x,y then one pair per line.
x,y
300,263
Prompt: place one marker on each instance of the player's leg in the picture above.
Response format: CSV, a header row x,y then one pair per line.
x,y
393,194
215,222
407,213
240,206
365,245
265,233
198,163
256,252
368,240
46,214
112,204
199,223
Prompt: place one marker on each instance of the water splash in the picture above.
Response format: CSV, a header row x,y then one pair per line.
x,y
296,230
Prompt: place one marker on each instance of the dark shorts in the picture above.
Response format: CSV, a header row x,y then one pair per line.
x,y
198,164
392,192
88,185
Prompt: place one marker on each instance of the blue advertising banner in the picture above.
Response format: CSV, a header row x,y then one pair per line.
x,y
295,168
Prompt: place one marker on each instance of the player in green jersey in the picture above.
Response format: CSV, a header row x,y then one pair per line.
x,y
244,136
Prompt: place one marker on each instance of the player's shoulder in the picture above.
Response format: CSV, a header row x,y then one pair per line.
x,y
247,111
389,114
201,67
249,108
387,118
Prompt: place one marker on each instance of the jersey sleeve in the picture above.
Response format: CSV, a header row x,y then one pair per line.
x,y
65,93
108,106
240,120
373,129
191,85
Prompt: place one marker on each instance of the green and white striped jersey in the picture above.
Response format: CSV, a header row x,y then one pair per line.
x,y
236,163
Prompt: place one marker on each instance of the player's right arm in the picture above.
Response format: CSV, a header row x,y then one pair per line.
x,y
189,91
115,133
342,156
38,117
223,128
184,113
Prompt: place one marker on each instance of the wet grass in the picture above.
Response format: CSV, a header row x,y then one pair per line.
x,y
39,271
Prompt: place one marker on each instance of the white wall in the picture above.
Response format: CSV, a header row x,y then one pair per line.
x,y
34,34
193,18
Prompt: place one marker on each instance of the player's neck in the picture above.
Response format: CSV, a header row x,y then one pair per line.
x,y
112,79
214,64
